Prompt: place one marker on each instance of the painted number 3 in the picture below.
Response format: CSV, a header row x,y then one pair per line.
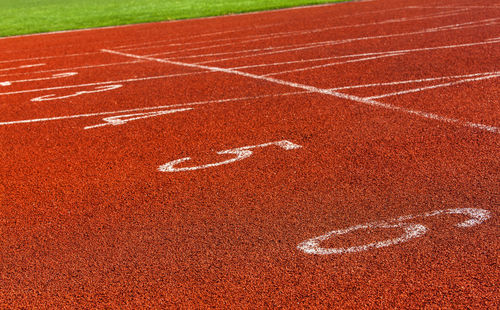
x,y
411,230
240,153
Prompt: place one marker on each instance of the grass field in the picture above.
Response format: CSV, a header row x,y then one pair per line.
x,y
34,16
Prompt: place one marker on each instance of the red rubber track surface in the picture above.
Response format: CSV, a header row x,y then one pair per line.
x,y
394,105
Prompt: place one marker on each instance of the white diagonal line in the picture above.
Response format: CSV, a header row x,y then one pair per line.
x,y
357,99
419,89
65,117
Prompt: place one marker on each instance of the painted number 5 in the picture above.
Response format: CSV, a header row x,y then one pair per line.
x,y
240,153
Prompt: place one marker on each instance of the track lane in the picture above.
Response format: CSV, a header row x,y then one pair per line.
x,y
88,219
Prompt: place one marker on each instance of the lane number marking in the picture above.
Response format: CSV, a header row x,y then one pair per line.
x,y
123,119
411,230
95,90
23,67
241,153
53,77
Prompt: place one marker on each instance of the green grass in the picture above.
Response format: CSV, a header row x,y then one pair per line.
x,y
34,16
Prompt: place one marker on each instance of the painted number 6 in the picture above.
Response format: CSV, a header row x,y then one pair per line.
x,y
411,230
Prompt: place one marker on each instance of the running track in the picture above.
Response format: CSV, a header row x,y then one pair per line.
x,y
341,156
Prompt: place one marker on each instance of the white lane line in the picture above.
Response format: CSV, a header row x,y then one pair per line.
x,y
256,38
54,76
22,67
360,100
424,49
450,77
415,90
155,43
275,47
102,83
470,7
128,111
301,47
152,44
336,63
74,68
123,119
48,57
98,89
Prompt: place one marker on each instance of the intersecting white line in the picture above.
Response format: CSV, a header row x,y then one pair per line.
x,y
416,81
181,105
48,57
55,76
301,47
419,89
256,38
313,89
102,83
74,68
393,52
150,44
336,63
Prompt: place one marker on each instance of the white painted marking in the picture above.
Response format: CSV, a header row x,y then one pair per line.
x,y
98,89
66,117
335,64
47,57
156,44
22,67
313,89
394,52
256,38
149,78
74,68
55,76
411,231
419,89
300,47
417,80
123,119
241,153
244,39
190,41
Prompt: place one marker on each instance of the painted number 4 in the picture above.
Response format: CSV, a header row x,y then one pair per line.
x,y
240,153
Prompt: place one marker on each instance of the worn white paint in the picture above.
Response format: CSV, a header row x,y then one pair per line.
x,y
411,231
262,37
393,52
74,68
440,78
98,89
419,89
306,46
54,76
359,100
141,79
22,67
240,153
123,119
162,107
